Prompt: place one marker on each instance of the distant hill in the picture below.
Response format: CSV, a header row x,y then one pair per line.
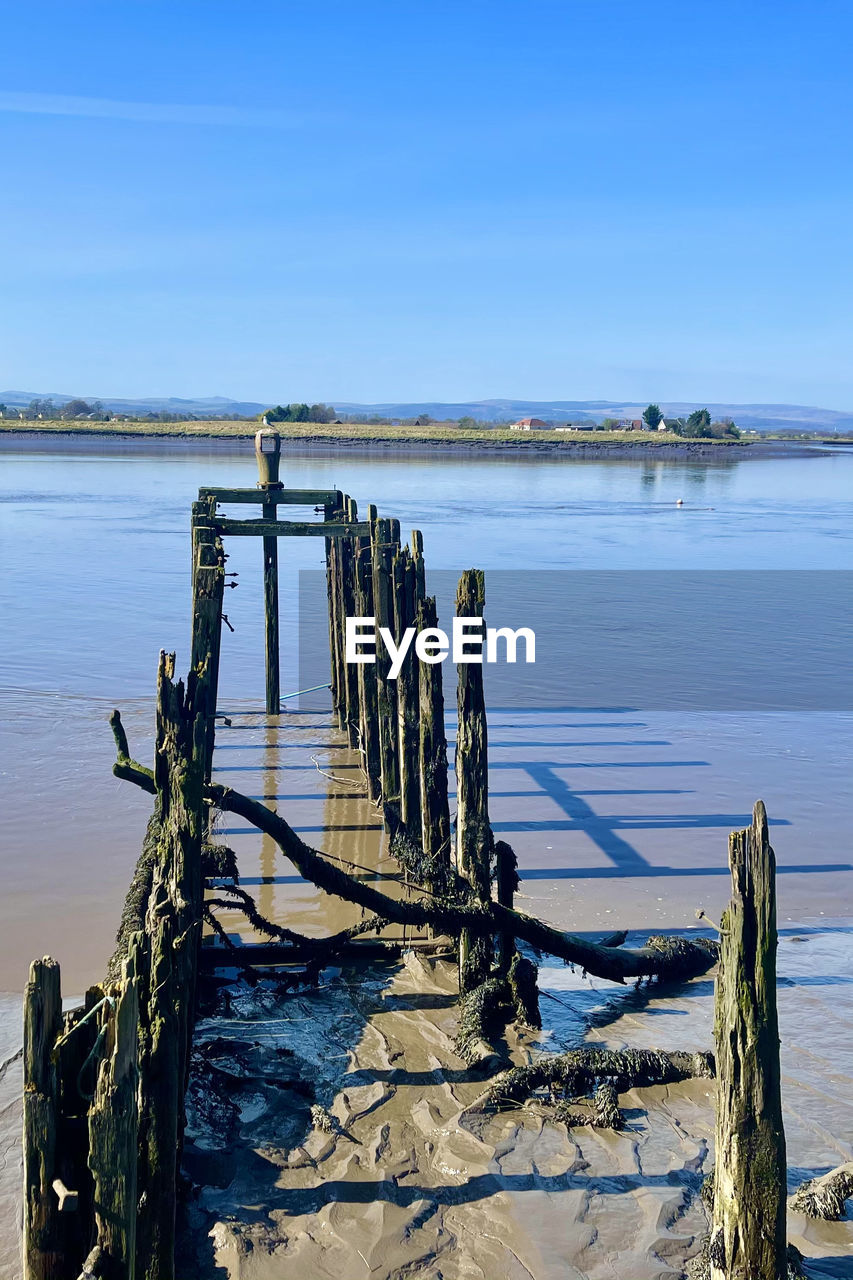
x,y
759,417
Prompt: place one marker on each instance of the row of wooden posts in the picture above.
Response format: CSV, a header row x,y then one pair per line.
x,y
398,726
104,1082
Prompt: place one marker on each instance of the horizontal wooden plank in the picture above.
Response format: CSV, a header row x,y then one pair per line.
x,y
284,497
290,529
277,953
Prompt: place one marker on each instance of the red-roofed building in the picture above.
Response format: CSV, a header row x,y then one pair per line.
x,y
531,424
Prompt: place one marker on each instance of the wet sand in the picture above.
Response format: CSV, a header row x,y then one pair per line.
x,y
415,1179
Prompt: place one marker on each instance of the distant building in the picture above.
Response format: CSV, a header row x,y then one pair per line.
x,y
531,424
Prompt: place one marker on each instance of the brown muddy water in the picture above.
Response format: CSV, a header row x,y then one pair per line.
x,y
619,818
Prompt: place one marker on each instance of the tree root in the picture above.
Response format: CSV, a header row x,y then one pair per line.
x,y
825,1197
579,1072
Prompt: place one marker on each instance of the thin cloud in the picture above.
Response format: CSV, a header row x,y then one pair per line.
x,y
55,104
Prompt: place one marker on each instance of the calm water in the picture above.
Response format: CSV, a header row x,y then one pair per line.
x,y
96,581
617,815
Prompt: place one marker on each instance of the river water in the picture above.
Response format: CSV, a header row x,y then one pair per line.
x,y
619,813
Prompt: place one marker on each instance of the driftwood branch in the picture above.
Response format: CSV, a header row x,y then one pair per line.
x,y
664,957
579,1072
824,1197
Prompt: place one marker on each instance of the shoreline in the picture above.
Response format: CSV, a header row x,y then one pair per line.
x,y
473,444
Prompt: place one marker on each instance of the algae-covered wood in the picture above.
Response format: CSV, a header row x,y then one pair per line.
x,y
748,1236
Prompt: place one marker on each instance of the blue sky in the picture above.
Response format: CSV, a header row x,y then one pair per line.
x,y
424,200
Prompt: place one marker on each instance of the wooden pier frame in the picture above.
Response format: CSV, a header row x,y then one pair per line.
x,y
101,1168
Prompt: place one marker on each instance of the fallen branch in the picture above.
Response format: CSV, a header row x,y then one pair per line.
x,y
579,1072
604,1113
663,957
825,1197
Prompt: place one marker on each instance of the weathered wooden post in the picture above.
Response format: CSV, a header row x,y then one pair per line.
x,y
208,593
405,604
383,548
366,674
332,511
348,603
268,453
474,841
432,756
113,1128
748,1235
43,1253
417,545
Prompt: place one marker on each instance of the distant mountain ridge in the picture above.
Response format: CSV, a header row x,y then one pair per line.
x,y
760,417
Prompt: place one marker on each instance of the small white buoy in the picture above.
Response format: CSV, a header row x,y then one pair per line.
x,y
680,502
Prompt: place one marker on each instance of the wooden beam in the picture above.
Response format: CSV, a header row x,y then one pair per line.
x,y
271,647
290,529
283,497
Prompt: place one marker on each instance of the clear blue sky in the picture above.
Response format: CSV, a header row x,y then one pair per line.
x,y
428,200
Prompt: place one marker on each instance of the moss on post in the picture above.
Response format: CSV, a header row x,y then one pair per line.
x,y
748,1236
43,1248
432,758
474,841
383,547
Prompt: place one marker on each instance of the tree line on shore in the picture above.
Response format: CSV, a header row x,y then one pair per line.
x,y
697,425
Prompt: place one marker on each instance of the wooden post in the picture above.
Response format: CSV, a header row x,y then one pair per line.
x,y
268,453
405,604
506,883
748,1239
432,757
113,1126
43,1233
417,544
382,545
333,511
366,674
208,593
348,604
474,842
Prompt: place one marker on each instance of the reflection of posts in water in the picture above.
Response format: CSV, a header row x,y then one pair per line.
x,y
269,848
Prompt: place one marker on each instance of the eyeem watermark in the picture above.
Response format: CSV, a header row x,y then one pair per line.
x,y
470,641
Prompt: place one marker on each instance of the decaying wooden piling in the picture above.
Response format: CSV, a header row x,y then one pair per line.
x,y
367,684
350,694
268,452
408,695
748,1235
432,759
383,549
113,1131
43,1228
474,841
